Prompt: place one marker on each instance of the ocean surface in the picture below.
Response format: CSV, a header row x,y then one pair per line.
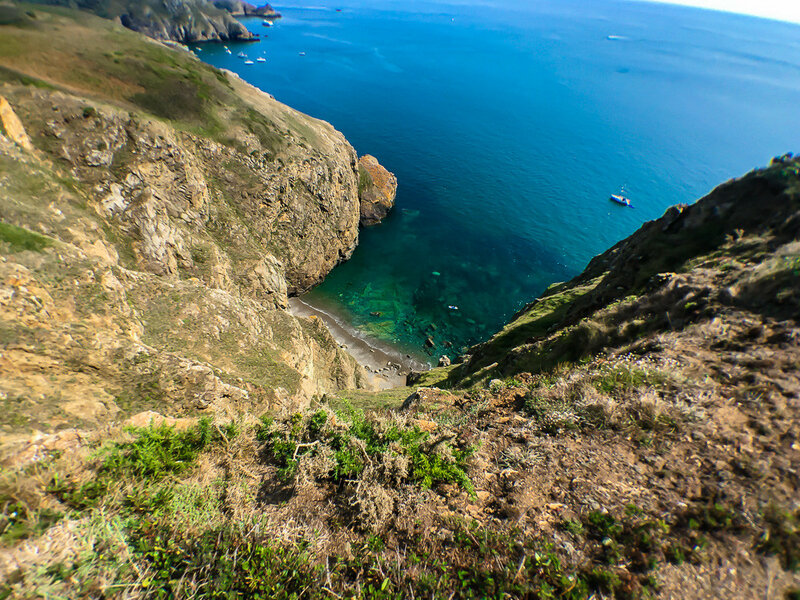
x,y
508,125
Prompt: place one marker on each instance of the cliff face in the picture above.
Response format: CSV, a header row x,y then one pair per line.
x,y
182,21
147,261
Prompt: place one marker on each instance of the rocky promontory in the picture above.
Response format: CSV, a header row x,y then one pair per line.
x,y
239,8
183,21
377,189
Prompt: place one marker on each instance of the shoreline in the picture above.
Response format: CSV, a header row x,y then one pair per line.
x,y
386,366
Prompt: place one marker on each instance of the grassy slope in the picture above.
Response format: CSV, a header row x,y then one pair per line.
x,y
657,465
147,16
93,57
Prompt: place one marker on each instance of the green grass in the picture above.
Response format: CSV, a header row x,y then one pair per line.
x,y
391,399
154,452
19,238
11,76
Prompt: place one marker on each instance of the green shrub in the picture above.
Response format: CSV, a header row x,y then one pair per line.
x,y
222,564
612,380
358,440
155,452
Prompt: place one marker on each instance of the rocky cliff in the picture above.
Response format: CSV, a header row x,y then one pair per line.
x,y
155,213
183,21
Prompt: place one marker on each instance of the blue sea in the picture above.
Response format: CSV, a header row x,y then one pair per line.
x,y
508,125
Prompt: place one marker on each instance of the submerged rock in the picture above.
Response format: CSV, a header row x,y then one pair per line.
x,y
377,189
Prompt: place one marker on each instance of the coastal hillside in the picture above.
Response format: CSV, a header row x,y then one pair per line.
x,y
155,215
169,430
630,434
181,21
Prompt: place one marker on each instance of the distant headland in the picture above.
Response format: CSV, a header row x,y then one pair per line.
x,y
183,21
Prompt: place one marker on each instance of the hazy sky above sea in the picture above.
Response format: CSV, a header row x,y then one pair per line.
x,y
782,10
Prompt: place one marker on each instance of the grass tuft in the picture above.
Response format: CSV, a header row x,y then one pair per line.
x,y
21,239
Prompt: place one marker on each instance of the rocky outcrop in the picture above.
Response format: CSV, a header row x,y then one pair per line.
x,y
377,189
245,9
12,126
182,21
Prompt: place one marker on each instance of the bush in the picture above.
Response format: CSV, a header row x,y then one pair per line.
x,y
155,452
354,442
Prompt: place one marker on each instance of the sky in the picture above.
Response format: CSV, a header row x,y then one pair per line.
x,y
782,10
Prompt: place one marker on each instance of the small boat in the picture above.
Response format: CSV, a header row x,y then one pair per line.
x,y
619,199
242,55
302,54
261,59
249,62
267,23
228,52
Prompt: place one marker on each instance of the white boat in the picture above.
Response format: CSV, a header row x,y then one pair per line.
x,y
228,51
619,199
302,54
249,62
267,23
261,59
242,55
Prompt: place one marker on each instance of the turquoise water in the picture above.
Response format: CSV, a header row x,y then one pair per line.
x,y
508,127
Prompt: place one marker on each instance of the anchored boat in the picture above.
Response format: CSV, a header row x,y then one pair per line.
x,y
619,199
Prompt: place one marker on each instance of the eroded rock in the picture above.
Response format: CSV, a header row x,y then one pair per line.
x,y
377,189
